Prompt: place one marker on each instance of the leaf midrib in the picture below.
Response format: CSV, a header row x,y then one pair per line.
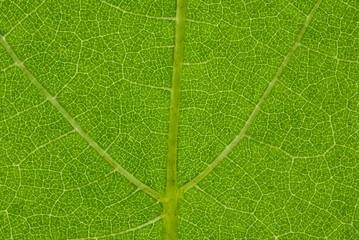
x,y
170,202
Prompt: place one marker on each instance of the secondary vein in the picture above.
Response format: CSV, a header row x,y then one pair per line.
x,y
153,193
257,108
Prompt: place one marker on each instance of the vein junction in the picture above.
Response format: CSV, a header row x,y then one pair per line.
x,y
257,108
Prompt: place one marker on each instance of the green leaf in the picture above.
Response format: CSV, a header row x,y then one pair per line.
x,y
179,120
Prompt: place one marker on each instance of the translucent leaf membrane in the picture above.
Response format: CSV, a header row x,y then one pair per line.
x,y
267,144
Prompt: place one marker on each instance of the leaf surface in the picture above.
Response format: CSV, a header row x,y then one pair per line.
x,y
179,120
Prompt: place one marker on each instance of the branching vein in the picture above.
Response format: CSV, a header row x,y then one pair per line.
x,y
77,127
257,108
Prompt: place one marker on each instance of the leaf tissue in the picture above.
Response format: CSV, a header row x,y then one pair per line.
x,y
187,119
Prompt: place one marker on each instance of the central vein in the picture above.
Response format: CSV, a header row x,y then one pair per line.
x,y
170,203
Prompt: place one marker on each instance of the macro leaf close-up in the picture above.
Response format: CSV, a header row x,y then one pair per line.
x,y
179,119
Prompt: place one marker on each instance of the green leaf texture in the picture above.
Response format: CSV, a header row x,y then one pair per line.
x,y
187,119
